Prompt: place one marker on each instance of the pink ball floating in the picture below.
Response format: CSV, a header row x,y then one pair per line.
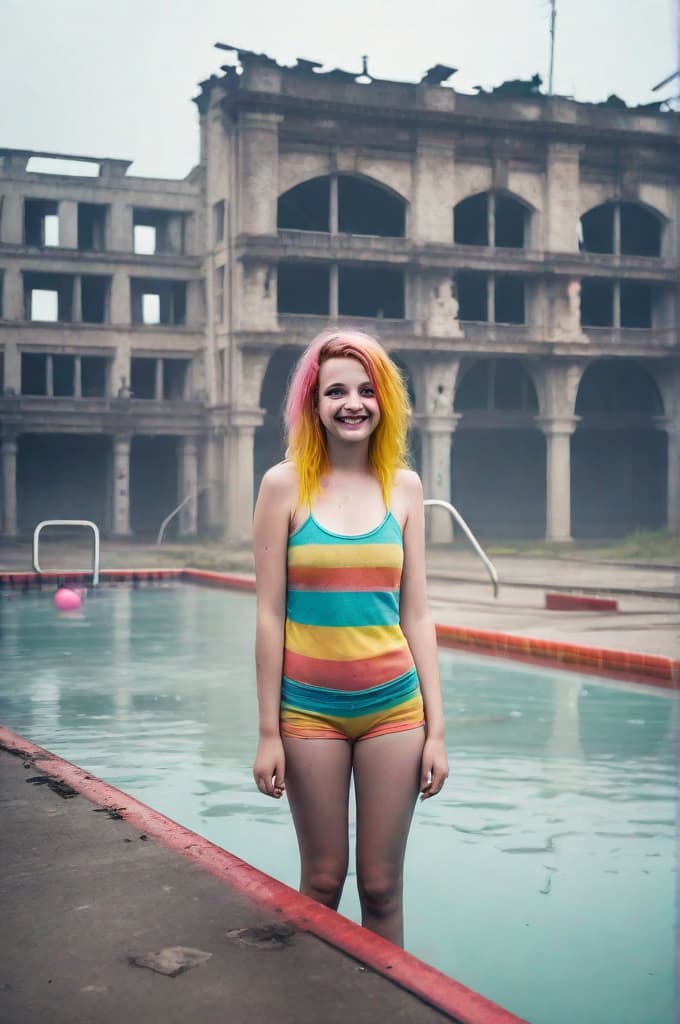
x,y
67,600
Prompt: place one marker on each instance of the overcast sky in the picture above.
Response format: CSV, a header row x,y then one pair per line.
x,y
116,77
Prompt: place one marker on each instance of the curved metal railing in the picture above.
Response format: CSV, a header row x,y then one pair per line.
x,y
192,494
470,536
69,522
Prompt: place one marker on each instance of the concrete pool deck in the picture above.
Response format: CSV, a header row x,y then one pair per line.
x,y
111,912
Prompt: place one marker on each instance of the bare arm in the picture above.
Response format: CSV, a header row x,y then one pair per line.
x,y
418,628
270,540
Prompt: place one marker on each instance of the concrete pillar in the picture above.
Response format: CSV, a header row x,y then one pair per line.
x,y
258,156
211,451
12,368
49,375
238,475
8,447
120,298
562,189
673,464
12,220
13,305
68,224
436,431
77,300
195,306
333,216
121,485
558,431
77,377
158,385
334,292
188,475
120,223
433,179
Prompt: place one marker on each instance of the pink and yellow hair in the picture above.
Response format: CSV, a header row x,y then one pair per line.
x,y
306,437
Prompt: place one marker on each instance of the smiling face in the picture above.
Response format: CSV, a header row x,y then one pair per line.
x,y
347,403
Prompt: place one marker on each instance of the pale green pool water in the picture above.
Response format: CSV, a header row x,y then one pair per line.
x,y
542,877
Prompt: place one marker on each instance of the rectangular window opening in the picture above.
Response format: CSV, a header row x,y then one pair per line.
x,y
303,288
44,305
371,292
48,297
145,240
158,232
509,223
218,220
143,377
92,219
472,296
151,308
508,299
636,304
94,289
158,302
597,303
41,222
175,373
63,376
93,376
33,373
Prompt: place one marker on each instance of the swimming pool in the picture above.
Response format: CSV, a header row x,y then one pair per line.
x,y
542,877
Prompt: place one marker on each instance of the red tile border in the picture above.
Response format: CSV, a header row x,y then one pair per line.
x,y
427,983
577,602
626,666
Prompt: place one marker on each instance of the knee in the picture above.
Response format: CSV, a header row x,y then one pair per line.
x,y
324,883
380,895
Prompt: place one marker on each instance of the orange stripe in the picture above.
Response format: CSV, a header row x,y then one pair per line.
x,y
347,675
304,577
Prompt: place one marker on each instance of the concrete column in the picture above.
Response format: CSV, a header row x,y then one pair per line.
x,y
558,431
120,228
239,496
120,298
333,296
12,368
13,305
77,377
188,475
436,431
77,300
12,221
333,205
49,375
258,156
68,224
195,304
211,453
121,485
673,463
158,386
433,180
562,188
8,446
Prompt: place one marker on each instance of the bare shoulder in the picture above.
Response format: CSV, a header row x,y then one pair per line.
x,y
407,485
407,495
280,483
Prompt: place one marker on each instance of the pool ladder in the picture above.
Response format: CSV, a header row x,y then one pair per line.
x,y
455,514
69,522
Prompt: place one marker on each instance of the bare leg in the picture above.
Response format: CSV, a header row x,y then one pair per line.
x,y
317,784
386,781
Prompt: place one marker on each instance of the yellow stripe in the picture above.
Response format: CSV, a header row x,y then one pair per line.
x,y
342,643
307,722
329,556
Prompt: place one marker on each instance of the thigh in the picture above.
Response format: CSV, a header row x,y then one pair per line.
x,y
386,783
317,785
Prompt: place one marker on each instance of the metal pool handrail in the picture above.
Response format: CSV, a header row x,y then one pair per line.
x,y
69,522
471,537
192,494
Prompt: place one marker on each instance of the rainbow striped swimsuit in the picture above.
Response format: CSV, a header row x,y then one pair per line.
x,y
348,672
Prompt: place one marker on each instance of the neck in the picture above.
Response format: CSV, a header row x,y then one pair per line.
x,y
348,457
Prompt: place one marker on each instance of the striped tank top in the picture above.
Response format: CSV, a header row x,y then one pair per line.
x,y
342,611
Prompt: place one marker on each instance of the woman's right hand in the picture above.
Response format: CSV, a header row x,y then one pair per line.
x,y
270,767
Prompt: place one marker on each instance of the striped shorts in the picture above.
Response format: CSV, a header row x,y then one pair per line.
x,y
315,712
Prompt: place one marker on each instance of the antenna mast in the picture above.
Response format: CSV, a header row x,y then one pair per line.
x,y
553,16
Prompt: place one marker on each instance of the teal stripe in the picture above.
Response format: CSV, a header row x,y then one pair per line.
x,y
388,532
343,608
346,703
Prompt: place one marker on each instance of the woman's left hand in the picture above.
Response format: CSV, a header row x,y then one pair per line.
x,y
434,769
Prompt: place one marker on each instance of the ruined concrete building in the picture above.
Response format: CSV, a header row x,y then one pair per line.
x,y
517,254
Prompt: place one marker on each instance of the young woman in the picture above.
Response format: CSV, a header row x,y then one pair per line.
x,y
347,672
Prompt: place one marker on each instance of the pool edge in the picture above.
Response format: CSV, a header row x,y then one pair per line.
x,y
626,666
438,990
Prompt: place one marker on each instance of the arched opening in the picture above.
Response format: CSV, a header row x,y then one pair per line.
x,y
498,453
270,441
618,454
625,228
492,218
344,203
